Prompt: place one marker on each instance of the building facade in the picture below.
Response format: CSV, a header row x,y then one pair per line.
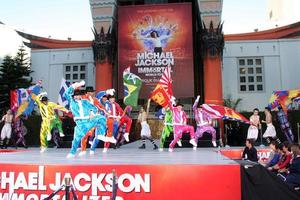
x,y
253,64
256,64
73,64
97,59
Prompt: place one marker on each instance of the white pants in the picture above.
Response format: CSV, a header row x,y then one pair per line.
x,y
6,131
252,132
270,132
145,132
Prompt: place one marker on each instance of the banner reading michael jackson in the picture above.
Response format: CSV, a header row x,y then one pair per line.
x,y
134,182
150,38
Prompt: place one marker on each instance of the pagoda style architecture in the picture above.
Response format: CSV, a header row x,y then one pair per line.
x,y
207,36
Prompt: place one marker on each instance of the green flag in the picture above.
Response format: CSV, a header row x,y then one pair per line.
x,y
132,86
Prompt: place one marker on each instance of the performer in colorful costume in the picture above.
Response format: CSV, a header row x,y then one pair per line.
x,y
90,96
127,121
285,124
204,121
168,128
85,116
20,131
254,125
6,129
115,113
48,115
145,131
270,133
102,97
56,130
180,125
90,134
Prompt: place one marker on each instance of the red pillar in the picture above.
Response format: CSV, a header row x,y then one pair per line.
x,y
213,86
213,80
103,75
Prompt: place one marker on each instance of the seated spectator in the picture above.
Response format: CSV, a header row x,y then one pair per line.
x,y
293,177
284,160
250,153
274,155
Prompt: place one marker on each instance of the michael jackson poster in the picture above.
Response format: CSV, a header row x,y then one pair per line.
x,y
151,37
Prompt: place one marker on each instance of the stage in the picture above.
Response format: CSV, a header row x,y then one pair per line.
x,y
142,173
207,173
126,155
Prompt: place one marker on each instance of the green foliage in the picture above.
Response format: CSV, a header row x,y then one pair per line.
x,y
232,103
14,73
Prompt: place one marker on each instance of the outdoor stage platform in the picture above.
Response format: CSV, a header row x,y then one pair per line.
x,y
126,155
142,174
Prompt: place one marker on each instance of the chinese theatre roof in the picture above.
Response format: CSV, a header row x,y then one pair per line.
x,y
37,42
284,32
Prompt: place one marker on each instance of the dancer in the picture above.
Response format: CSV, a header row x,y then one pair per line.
x,y
168,129
270,133
90,96
115,112
145,132
204,122
102,96
20,131
254,125
48,115
84,114
124,126
6,129
180,125
125,119
56,129
285,124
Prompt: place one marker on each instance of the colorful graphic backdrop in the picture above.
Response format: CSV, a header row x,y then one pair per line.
x,y
150,38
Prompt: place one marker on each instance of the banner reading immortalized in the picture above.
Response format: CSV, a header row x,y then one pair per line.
x,y
150,38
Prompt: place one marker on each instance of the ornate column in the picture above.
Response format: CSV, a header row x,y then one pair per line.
x,y
213,43
104,43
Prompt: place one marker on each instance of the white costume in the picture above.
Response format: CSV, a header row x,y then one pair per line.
x,y
253,128
6,130
270,131
145,132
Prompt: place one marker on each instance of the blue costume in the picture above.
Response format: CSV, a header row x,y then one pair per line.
x,y
81,110
285,125
99,96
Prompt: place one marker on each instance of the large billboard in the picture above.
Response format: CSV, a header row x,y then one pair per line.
x,y
151,37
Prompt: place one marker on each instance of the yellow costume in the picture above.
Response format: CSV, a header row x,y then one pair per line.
x,y
48,115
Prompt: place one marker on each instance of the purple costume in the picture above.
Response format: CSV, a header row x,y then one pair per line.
x,y
20,131
203,120
180,126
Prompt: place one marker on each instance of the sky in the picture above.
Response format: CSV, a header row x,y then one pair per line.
x,y
61,19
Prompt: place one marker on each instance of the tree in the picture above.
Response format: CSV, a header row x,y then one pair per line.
x,y
14,73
